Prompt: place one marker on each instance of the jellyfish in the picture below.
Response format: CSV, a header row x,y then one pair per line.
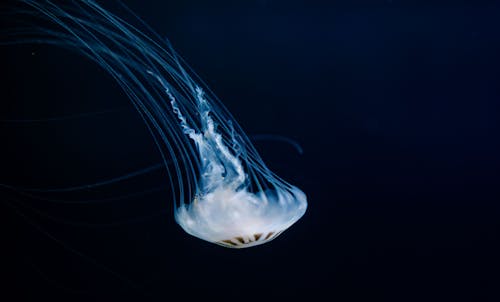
x,y
222,190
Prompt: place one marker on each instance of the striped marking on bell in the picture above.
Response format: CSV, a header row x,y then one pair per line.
x,y
247,241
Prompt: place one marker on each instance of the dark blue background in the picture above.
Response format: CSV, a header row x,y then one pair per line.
x,y
395,103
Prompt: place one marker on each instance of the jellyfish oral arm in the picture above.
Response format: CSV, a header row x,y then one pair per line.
x,y
224,211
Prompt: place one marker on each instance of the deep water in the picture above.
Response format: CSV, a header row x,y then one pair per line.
x,y
395,104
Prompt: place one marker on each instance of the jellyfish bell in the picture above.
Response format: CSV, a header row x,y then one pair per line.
x,y
222,190
240,219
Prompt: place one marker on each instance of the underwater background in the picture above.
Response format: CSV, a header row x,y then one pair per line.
x,y
396,105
